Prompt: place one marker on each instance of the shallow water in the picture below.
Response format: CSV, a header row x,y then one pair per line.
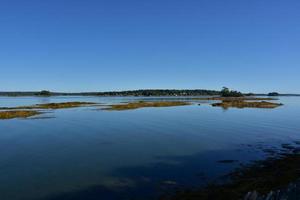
x,y
88,153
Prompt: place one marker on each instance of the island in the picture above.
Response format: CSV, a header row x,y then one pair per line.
x,y
231,98
226,92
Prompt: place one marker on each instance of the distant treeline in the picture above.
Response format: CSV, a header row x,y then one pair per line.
x,y
146,92
161,93
150,92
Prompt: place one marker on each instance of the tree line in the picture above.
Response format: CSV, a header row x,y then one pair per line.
x,y
147,92
225,92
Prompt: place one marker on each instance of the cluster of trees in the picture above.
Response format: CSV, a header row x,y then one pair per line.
x,y
226,92
160,93
43,93
148,92
273,94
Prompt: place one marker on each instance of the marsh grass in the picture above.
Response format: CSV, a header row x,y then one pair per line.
x,y
236,98
51,106
64,105
246,104
18,114
143,104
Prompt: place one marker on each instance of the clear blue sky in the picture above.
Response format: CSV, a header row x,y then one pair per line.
x,y
100,45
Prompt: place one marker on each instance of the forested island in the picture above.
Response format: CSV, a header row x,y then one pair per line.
x,y
145,92
142,92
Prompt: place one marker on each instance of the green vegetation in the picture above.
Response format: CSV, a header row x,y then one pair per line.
x,y
262,176
51,106
43,93
148,92
273,94
226,92
17,114
249,94
142,104
246,104
198,92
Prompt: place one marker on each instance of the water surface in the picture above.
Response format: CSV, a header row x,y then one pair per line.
x,y
89,153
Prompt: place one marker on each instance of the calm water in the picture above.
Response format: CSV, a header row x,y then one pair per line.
x,y
87,153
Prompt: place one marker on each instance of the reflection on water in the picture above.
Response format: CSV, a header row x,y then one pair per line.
x,y
87,153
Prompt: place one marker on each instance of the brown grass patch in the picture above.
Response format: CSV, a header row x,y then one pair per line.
x,y
246,104
18,114
143,104
51,106
236,98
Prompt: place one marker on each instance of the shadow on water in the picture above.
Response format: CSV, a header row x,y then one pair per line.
x,y
91,193
164,177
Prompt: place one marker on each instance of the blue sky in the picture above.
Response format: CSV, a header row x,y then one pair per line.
x,y
101,45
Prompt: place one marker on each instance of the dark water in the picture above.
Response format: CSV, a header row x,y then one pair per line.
x,y
87,153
